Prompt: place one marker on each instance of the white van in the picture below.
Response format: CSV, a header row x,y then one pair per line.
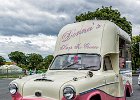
x,y
89,64
139,80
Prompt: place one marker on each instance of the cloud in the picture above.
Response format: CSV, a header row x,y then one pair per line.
x,y
24,17
136,29
40,43
32,25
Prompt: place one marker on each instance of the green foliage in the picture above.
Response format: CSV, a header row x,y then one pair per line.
x,y
47,61
107,13
41,65
135,52
17,57
48,58
30,61
2,60
34,60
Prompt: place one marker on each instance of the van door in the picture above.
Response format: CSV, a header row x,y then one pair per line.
x,y
111,78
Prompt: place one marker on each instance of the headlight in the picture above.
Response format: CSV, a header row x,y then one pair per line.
x,y
13,88
69,92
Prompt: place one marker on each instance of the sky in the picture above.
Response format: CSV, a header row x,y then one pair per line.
x,y
32,26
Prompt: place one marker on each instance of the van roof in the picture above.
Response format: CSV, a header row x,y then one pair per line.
x,y
122,33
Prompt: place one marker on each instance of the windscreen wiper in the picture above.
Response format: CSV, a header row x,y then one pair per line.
x,y
69,65
87,67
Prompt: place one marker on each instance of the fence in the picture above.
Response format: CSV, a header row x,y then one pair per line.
x,y
10,73
14,73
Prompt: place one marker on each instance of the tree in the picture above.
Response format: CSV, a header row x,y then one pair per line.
x,y
48,58
47,61
17,57
34,60
135,51
107,13
2,60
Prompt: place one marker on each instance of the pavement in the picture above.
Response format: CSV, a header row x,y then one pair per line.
x,y
4,94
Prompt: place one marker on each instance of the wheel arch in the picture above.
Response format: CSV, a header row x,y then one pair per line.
x,y
95,97
94,94
128,89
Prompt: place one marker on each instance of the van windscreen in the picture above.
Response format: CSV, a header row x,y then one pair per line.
x,y
76,62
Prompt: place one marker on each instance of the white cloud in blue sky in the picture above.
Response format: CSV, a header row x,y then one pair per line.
x,y
27,25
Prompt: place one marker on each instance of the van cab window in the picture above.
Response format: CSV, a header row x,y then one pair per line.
x,y
76,61
107,63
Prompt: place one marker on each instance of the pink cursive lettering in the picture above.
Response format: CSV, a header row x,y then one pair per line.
x,y
73,33
89,46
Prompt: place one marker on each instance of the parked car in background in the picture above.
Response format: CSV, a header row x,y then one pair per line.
x,y
139,80
138,71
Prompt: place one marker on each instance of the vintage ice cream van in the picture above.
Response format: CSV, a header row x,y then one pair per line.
x,y
92,61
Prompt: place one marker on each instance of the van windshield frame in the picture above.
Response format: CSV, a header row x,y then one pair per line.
x,y
79,61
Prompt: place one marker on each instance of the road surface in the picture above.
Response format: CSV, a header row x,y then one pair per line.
x,y
4,92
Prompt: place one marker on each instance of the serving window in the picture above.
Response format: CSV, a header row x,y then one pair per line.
x,y
107,63
124,54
